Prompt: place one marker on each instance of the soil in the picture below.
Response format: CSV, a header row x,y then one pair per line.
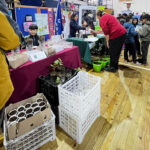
x,y
22,114
42,104
21,119
36,109
21,109
97,63
43,108
13,112
29,111
29,115
28,106
34,105
39,100
13,119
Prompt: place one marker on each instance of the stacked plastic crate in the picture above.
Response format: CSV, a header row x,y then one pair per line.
x,y
50,89
29,133
79,100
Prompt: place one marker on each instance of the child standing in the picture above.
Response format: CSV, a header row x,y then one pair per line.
x,y
145,37
136,38
130,41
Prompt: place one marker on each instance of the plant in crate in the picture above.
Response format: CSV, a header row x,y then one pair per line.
x,y
58,71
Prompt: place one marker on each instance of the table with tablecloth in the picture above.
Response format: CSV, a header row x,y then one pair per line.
x,y
84,47
25,78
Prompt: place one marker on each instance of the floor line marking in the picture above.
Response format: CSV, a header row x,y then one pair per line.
x,y
134,66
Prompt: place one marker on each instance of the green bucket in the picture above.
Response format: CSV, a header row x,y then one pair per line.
x,y
97,67
104,63
108,59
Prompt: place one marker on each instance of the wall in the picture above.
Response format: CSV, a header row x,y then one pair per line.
x,y
137,6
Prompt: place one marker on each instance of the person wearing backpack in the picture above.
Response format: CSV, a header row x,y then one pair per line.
x,y
144,33
130,41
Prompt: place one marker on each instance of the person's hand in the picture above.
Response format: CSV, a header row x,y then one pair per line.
x,y
108,44
85,24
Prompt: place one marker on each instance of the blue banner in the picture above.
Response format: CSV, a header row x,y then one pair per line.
x,y
59,26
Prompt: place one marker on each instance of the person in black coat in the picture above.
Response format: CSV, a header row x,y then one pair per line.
x,y
33,29
74,27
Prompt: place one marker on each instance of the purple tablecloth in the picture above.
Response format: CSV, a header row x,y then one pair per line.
x,y
25,78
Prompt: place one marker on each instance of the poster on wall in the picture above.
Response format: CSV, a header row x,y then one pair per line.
x,y
51,22
42,23
26,26
87,13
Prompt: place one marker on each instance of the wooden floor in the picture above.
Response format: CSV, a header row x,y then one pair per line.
x,y
125,114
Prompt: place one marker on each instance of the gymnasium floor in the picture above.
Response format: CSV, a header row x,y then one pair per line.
x,y
125,114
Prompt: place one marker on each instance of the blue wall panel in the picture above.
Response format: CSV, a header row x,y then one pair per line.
x,y
20,16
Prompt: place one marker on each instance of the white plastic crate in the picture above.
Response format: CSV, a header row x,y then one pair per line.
x,y
79,94
34,139
75,126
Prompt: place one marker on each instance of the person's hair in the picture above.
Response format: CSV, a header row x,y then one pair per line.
x,y
124,15
100,13
33,27
136,20
146,16
128,19
73,16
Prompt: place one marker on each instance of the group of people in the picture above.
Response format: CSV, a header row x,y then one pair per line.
x,y
137,30
125,29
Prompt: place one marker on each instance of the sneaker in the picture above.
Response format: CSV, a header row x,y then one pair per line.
x,y
137,63
111,69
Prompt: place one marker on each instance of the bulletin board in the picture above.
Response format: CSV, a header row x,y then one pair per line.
x,y
22,11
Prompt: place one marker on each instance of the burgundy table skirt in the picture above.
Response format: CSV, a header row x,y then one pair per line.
x,y
25,78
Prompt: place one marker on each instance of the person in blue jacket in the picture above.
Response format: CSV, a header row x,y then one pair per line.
x,y
136,37
130,41
74,27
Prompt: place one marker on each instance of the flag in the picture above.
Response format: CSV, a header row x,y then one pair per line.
x,y
59,26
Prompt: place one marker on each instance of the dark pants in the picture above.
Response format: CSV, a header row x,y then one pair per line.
x,y
137,45
115,47
130,47
144,47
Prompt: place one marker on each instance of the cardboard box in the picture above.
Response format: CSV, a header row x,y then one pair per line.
x,y
29,124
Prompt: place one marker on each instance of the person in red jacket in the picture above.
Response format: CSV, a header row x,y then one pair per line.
x,y
115,35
